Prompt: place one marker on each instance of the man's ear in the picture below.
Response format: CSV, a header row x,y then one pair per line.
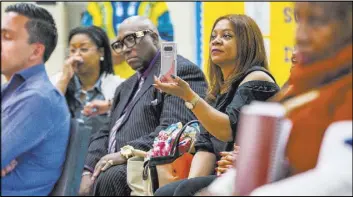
x,y
38,52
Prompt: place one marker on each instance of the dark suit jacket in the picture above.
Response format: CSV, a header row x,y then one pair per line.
x,y
144,121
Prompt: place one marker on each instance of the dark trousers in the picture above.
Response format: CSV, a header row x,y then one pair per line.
x,y
112,182
186,187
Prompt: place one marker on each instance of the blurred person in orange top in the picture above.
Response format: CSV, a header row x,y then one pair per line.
x,y
324,56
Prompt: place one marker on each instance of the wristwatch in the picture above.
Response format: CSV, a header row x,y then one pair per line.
x,y
191,104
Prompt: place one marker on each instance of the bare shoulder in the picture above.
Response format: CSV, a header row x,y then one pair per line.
x,y
257,76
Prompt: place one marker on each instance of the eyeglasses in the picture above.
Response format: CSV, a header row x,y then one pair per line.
x,y
129,41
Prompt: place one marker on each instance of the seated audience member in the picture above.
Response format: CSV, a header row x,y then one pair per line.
x,y
319,94
34,115
87,73
122,69
139,111
238,75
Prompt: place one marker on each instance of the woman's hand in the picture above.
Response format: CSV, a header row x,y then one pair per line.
x,y
69,66
96,107
224,163
227,160
179,88
68,72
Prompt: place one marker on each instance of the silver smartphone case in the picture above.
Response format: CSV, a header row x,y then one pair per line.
x,y
168,60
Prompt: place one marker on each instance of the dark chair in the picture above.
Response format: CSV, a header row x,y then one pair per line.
x,y
70,179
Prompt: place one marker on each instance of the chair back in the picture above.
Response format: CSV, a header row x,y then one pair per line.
x,y
70,179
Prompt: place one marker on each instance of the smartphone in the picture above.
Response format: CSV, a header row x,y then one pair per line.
x,y
168,61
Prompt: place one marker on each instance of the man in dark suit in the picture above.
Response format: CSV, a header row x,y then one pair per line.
x,y
139,111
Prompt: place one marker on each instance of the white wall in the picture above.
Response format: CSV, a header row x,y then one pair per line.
x,y
56,60
183,18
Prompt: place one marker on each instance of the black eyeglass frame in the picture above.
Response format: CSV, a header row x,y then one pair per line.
x,y
138,34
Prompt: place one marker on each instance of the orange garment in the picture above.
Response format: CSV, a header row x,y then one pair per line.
x,y
330,84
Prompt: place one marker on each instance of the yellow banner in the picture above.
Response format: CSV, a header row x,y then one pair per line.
x,y
282,29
